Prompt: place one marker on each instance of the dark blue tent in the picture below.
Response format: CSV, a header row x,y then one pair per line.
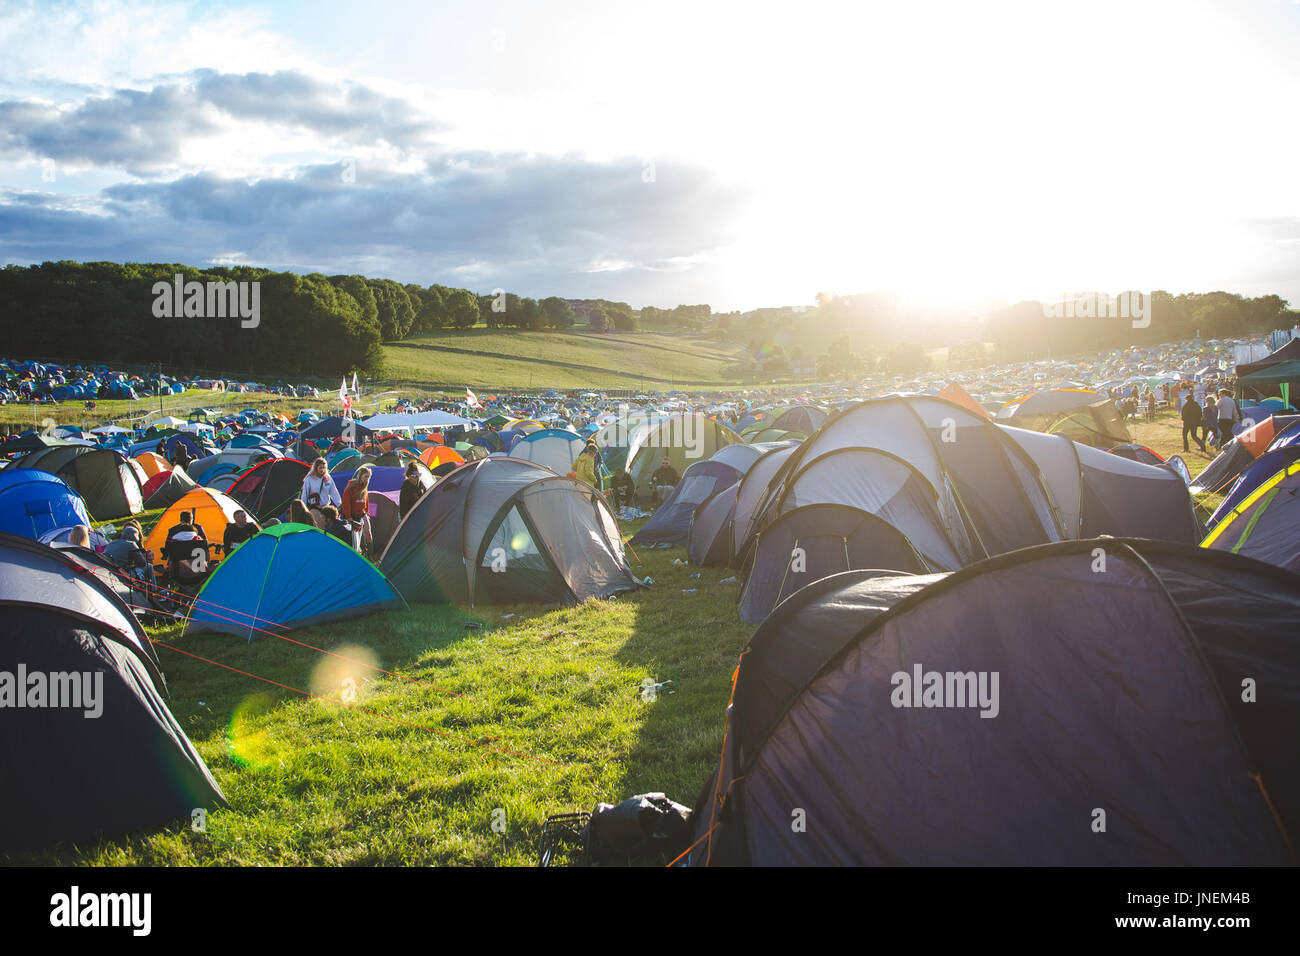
x,y
1036,708
1265,467
33,502
671,522
68,775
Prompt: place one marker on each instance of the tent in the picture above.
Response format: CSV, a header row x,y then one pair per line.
x,y
265,490
742,455
708,540
1264,467
877,483
502,530
212,511
552,448
69,777
34,502
289,576
440,455
1266,524
815,541
167,488
1097,493
986,493
805,419
859,704
1237,455
750,494
671,521
108,482
152,463
682,439
1139,453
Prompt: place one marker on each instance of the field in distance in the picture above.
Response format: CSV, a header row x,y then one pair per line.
x,y
505,358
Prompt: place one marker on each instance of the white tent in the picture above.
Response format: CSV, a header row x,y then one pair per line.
x,y
420,420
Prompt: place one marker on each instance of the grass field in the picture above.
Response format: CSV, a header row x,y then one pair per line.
x,y
509,358
534,714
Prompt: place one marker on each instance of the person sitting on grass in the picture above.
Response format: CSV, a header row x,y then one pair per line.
x,y
624,489
664,480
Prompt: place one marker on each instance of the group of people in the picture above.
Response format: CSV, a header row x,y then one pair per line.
x,y
344,515
1213,422
590,467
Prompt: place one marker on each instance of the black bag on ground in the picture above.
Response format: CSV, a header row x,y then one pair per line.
x,y
646,824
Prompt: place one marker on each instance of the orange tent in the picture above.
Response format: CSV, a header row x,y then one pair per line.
x,y
152,463
959,396
212,512
440,454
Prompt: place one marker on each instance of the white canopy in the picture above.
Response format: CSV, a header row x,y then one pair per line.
x,y
433,419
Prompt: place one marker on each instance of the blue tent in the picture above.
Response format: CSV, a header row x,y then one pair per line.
x,y
290,576
671,523
1265,467
33,502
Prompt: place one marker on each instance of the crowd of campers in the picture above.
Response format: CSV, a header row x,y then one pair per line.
x,y
996,522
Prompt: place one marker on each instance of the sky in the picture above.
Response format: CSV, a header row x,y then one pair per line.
x,y
953,154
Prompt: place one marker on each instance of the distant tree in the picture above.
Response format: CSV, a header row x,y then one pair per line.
x,y
558,313
462,308
597,319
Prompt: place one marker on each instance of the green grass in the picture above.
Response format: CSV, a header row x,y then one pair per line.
x,y
413,774
509,358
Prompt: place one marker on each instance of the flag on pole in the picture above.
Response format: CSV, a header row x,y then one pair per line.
x,y
354,385
344,400
471,399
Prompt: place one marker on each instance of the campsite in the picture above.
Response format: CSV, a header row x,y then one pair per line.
x,y
512,646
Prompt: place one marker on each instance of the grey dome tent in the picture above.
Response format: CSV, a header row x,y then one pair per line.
x,y
858,705
1099,493
110,483
987,493
708,541
815,541
671,522
67,776
500,530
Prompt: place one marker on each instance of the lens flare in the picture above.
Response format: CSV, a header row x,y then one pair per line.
x,y
247,740
520,542
344,679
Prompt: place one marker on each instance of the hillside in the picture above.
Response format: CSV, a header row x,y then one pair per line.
x,y
502,358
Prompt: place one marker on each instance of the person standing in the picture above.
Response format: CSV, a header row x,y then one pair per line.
x,y
412,490
1192,422
355,509
318,488
1210,421
1228,415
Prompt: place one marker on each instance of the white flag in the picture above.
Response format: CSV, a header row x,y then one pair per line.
x,y
471,399
343,391
354,385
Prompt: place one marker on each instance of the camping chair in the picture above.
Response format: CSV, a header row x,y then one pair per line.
x,y
188,562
